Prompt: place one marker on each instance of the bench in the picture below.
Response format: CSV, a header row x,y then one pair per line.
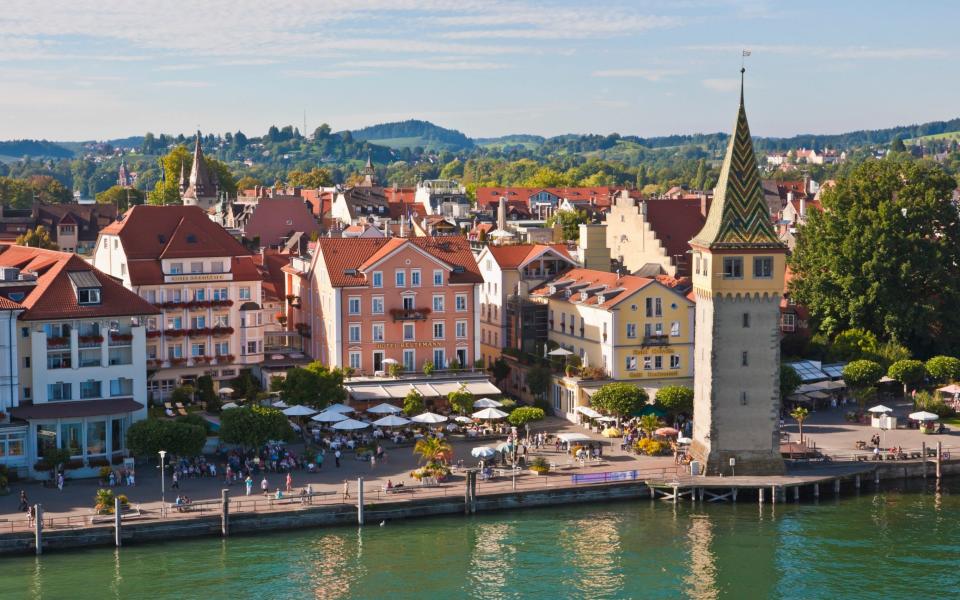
x,y
429,482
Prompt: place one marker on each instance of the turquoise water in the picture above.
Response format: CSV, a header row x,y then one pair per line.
x,y
889,544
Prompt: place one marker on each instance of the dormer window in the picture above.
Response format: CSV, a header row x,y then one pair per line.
x,y
88,296
87,287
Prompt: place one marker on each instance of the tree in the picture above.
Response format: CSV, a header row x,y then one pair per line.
x,y
800,415
253,426
413,403
248,183
182,394
525,414
908,372
882,256
943,369
861,377
316,178
148,437
461,400
649,424
330,388
538,380
37,238
676,399
853,344
569,221
897,145
301,386
789,381
206,394
168,191
123,197
619,399
432,449
499,370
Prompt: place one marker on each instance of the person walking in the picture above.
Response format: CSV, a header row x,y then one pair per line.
x,y
264,486
24,504
320,456
176,481
336,457
249,483
346,489
60,481
289,483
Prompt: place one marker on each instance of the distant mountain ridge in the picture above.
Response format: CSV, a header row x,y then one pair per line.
x,y
413,133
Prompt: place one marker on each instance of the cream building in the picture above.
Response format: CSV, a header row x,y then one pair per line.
x,y
635,329
739,266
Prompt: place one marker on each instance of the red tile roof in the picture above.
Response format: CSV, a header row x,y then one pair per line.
x,y
272,264
512,256
54,297
675,223
342,254
589,279
152,232
275,219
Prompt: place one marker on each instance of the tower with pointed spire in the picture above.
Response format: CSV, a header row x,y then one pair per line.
x,y
738,275
202,188
369,174
123,175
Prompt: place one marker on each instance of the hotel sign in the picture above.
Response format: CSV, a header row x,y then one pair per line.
x,y
653,374
187,277
391,345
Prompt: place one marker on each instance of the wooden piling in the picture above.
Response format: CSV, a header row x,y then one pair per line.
x,y
939,455
923,452
836,486
359,500
761,492
816,490
38,528
225,512
117,516
856,481
796,493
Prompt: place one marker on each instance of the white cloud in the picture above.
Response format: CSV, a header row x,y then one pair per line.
x,y
721,85
425,65
648,74
180,67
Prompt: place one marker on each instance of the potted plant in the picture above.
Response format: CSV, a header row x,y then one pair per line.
x,y
428,368
539,466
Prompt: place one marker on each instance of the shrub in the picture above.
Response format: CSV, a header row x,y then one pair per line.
x,y
147,437
525,414
395,370
944,369
651,447
182,394
509,405
413,403
461,400
540,466
195,419
428,367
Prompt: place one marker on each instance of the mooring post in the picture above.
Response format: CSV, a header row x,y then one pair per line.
x,y
761,492
816,490
836,486
359,500
796,493
733,492
466,494
225,512
38,527
117,515
773,494
676,492
856,481
876,477
923,453
939,455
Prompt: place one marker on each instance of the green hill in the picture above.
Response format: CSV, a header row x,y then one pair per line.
x,y
413,133
34,149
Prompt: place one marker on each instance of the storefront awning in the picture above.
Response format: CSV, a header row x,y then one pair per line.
x,y
75,409
588,412
368,392
483,388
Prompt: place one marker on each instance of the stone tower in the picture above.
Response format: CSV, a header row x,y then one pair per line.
x,y
738,271
202,187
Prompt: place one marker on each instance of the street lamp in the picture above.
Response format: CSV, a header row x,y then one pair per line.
x,y
163,491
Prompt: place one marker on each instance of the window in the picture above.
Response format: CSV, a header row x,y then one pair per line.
x,y
631,363
175,351
253,348
175,323
733,267
647,329
461,330
696,263
176,268
354,336
59,391
58,360
437,277
26,362
221,348
675,328
25,332
173,295
744,359
657,362
439,358
788,321
649,307
400,277
378,332
746,319
216,266
244,293
353,305
658,329
631,330
462,356
221,320
121,387
408,333
220,294
377,305
378,279
657,307
674,361
409,359
196,267
96,437
438,330
763,267
415,278
198,322
89,389
354,360
200,294
647,363
87,296
198,350
438,303
461,303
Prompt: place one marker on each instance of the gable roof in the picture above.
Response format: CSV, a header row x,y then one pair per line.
x,y
739,216
275,219
54,294
516,255
675,222
599,282
339,255
154,232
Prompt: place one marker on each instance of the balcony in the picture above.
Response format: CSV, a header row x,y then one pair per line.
x,y
412,314
120,339
90,341
194,304
656,339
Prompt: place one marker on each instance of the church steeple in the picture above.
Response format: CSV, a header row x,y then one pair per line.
x,y
202,186
739,216
369,174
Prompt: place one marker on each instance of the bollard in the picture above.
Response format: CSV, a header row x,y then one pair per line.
x,y
116,521
923,452
38,528
836,486
876,477
796,493
466,493
225,512
761,490
856,482
676,492
939,455
473,494
816,490
359,500
773,494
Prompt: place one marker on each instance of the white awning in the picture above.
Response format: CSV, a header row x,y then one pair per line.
x,y
587,411
367,393
444,389
397,390
483,388
574,437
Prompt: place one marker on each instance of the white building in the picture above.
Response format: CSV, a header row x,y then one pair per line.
x,y
207,284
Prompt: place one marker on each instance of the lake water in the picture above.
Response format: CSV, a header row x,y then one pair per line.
x,y
889,544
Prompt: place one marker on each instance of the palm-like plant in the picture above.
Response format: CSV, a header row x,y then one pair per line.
x,y
800,415
431,449
649,424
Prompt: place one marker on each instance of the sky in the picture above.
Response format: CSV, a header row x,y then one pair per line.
x,y
100,69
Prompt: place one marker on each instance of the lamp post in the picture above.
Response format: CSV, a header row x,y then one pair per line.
x,y
163,490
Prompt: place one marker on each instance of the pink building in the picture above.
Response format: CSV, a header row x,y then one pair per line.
x,y
364,301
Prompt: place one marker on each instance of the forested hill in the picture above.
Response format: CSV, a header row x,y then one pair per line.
x,y
413,133
20,148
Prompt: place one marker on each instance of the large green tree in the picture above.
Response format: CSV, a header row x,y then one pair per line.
x,y
315,178
252,426
569,221
908,372
883,256
36,238
619,399
676,399
789,381
149,436
944,369
123,197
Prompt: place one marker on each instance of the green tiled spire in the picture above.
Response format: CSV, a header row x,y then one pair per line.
x,y
738,217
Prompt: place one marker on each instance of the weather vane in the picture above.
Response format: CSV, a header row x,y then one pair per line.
x,y
743,54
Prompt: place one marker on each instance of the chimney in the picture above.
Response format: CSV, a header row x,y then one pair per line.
x,y
790,197
704,205
806,183
803,207
502,214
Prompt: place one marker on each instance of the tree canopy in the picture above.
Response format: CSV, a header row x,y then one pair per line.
x,y
525,414
789,381
944,369
123,197
149,436
413,403
461,400
675,399
619,399
862,373
908,372
37,238
315,385
569,221
252,426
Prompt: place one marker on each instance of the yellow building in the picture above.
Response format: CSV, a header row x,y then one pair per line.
x,y
630,329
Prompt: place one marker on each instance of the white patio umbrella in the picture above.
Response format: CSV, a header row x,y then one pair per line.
x,y
340,407
229,405
487,403
684,440
923,416
429,418
574,437
879,409
280,404
559,352
452,427
329,416
483,452
226,390
299,410
384,409
501,233
390,361
489,414
462,419
391,421
350,424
